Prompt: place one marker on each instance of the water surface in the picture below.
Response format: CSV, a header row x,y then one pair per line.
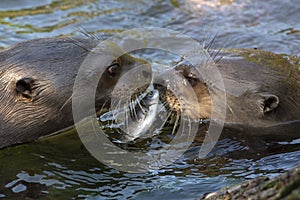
x,y
62,168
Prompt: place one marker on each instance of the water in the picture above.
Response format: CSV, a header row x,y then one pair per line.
x,y
62,168
251,23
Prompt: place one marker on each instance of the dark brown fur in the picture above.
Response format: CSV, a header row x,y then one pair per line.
x,y
36,84
262,93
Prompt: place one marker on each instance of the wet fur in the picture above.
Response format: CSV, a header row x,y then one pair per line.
x,y
262,99
51,65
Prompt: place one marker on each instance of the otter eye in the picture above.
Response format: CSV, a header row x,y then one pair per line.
x,y
24,87
191,75
113,69
192,79
150,94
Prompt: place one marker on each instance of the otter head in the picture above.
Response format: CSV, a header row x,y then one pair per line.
x,y
37,79
261,98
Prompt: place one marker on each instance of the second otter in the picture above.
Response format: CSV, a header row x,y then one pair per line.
x,y
262,93
36,82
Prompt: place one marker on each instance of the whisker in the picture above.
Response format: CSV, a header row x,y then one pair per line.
x,y
116,104
126,120
141,107
133,112
183,126
231,110
79,44
211,42
216,58
67,101
102,107
117,108
190,126
176,124
163,106
165,121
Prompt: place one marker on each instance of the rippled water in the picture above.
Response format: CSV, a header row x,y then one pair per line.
x,y
63,168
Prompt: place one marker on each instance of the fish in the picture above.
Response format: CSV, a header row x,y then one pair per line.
x,y
137,118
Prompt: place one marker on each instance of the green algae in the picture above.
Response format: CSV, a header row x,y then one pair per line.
x,y
55,5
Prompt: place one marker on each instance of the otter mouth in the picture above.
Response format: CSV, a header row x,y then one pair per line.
x,y
181,106
183,91
182,96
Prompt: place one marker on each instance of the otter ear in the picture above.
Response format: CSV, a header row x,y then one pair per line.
x,y
268,102
24,88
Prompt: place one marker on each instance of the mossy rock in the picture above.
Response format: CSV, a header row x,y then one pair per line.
x,y
285,186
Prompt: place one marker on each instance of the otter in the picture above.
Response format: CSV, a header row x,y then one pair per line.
x,y
36,84
262,93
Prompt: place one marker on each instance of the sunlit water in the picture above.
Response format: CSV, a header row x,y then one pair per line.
x,y
62,168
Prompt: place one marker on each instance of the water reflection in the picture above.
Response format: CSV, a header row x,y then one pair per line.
x,y
61,165
248,24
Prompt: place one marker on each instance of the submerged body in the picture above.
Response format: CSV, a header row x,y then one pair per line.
x,y
262,93
36,84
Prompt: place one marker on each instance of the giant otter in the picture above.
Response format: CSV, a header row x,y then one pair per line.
x,y
262,93
36,82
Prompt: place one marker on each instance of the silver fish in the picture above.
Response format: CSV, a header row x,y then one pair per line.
x,y
135,118
141,116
